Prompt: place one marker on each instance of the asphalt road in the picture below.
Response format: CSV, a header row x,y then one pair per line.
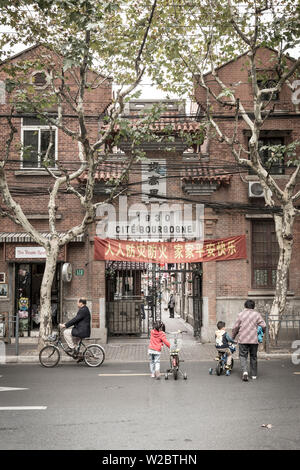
x,y
121,410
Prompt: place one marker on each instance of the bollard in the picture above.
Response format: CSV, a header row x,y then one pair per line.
x,y
267,334
17,334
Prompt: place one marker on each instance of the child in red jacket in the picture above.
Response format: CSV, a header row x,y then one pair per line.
x,y
157,339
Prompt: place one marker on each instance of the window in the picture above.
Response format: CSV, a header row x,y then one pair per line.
x,y
271,83
265,252
40,80
36,139
274,168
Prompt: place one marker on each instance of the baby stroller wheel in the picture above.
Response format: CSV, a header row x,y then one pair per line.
x,y
219,369
185,376
232,362
166,376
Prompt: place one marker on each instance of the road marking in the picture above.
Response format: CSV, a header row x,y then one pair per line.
x,y
8,389
122,375
22,408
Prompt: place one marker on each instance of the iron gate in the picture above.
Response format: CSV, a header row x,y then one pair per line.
x,y
136,293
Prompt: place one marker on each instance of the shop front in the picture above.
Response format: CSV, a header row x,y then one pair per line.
x,y
22,266
27,296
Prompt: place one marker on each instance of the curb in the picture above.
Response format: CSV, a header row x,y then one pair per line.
x,y
35,359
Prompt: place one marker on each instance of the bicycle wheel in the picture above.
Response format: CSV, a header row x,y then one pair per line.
x,y
49,356
219,369
94,355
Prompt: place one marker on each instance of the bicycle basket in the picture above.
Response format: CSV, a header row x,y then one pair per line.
x,y
174,346
52,337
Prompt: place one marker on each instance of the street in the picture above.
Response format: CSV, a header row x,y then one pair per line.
x,y
118,406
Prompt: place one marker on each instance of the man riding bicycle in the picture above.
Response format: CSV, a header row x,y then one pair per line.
x,y
81,326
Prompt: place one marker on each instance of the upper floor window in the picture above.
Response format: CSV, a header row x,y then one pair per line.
x,y
269,83
265,253
36,138
266,152
40,80
267,146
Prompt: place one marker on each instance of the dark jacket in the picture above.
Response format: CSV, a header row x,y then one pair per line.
x,y
81,323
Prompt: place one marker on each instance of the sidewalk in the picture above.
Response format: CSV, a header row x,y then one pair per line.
x,y
128,349
134,349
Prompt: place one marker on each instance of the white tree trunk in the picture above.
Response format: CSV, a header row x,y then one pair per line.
x,y
45,294
284,233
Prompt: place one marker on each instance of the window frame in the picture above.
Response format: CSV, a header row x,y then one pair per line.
x,y
280,167
38,128
271,254
268,83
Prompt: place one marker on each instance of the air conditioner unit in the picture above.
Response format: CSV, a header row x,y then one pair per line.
x,y
255,189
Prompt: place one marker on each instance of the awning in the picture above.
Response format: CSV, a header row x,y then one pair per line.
x,y
23,237
204,174
174,125
106,172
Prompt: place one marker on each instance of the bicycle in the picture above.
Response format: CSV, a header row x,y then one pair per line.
x,y
174,357
93,355
222,361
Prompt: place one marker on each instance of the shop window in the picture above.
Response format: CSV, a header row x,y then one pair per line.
x,y
265,252
36,138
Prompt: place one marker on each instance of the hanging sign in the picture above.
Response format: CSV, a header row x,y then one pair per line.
x,y
170,252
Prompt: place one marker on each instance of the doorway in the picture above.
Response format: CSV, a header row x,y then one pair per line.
x,y
27,297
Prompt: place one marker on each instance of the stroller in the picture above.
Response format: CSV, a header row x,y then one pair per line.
x,y
176,343
222,360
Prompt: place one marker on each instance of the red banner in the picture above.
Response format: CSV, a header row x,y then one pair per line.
x,y
170,252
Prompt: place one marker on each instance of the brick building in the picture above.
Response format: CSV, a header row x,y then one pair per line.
x,y
176,171
22,263
227,284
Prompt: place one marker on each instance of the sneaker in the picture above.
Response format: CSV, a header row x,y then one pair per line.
x,y
153,376
227,372
245,377
157,375
253,377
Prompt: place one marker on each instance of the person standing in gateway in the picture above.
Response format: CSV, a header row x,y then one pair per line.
x,y
171,306
81,326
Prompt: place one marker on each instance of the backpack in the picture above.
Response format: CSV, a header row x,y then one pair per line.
x,y
260,334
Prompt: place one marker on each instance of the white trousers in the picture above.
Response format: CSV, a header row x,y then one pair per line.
x,y
71,341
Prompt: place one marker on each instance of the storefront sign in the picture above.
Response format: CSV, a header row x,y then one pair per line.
x,y
170,252
30,252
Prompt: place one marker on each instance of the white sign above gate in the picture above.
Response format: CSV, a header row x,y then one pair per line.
x,y
30,252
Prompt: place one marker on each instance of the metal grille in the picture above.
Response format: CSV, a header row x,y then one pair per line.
x,y
265,252
135,293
